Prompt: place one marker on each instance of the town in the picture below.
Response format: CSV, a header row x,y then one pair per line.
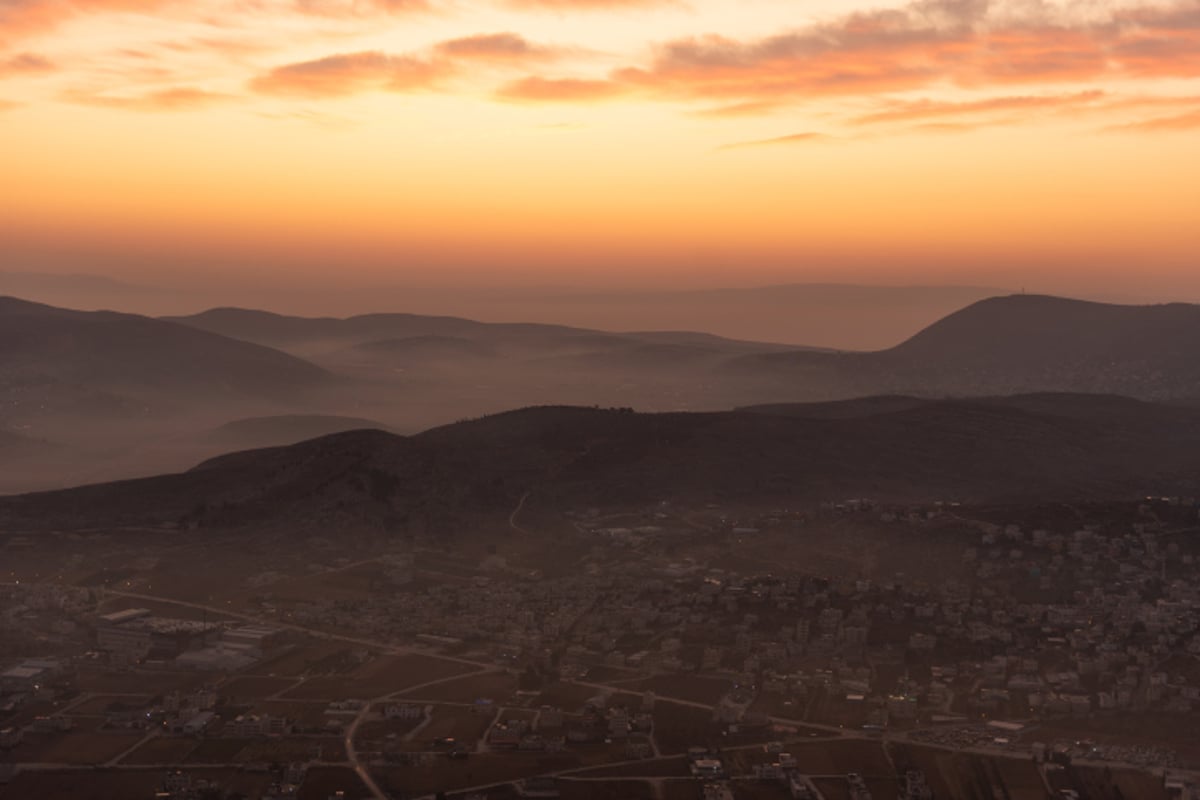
x,y
700,652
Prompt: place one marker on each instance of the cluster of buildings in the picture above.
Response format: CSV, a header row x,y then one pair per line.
x,y
182,785
136,636
1101,618
1046,623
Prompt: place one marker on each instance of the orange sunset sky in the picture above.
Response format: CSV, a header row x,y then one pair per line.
x,y
1054,143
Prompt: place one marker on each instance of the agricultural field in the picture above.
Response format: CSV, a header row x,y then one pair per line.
x,y
970,776
352,583
162,750
833,788
606,790
252,687
287,749
676,728
68,786
755,790
768,733
674,767
83,745
110,784
841,757
378,729
496,686
1098,783
690,789
693,688
310,656
378,677
96,706
322,783
217,751
567,696
463,725
141,682
444,774
602,673
777,705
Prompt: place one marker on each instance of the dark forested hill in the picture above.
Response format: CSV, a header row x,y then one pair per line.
x,y
1044,447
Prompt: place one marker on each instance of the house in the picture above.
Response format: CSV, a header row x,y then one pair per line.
x,y
28,676
769,772
135,634
404,711
51,724
259,725
717,791
504,736
10,738
199,723
551,718
708,768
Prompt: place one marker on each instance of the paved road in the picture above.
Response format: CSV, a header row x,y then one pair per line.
x,y
364,773
512,518
352,754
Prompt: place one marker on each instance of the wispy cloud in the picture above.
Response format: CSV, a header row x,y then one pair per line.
x,y
918,110
590,5
359,8
179,98
1188,121
20,18
350,73
502,47
25,64
924,44
750,108
806,137
227,47
547,90
320,119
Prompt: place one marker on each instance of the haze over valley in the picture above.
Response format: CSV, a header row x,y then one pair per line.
x,y
95,396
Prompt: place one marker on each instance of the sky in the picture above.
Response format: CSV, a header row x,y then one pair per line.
x,y
1048,144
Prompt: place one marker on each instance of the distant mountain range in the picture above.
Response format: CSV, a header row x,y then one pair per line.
x,y
825,314
1009,345
1001,345
119,395
139,358
327,335
1019,449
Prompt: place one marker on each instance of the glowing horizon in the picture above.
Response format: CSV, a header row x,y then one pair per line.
x,y
631,141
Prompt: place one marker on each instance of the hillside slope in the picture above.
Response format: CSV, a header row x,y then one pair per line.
x,y
1051,447
1008,345
131,354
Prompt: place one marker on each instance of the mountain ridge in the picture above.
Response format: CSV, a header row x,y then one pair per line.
x,y
1029,448
1012,345
108,347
